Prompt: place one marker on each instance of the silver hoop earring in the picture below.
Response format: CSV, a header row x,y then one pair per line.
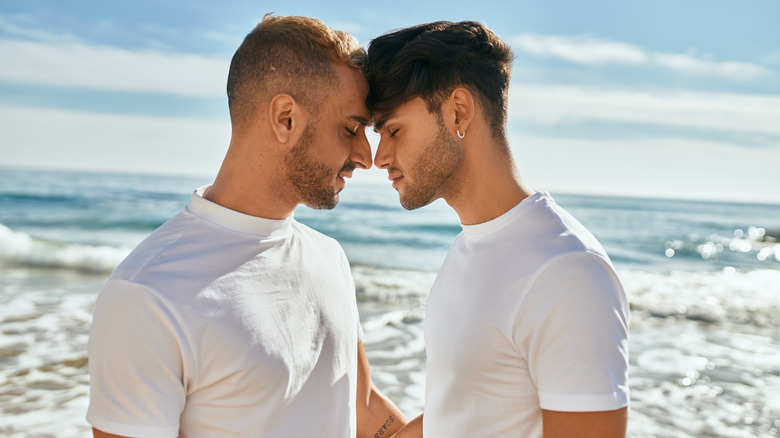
x,y
461,135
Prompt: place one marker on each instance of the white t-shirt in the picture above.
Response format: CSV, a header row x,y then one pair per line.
x,y
525,314
223,324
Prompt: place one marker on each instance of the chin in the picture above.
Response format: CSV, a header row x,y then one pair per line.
x,y
412,200
413,204
323,203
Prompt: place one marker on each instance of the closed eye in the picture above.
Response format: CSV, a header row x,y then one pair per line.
x,y
354,132
392,133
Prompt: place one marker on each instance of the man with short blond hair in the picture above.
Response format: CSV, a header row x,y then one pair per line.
x,y
232,318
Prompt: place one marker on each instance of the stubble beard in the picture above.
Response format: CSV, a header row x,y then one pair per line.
x,y
311,180
433,169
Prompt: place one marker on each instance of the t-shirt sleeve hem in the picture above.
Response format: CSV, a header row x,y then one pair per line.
x,y
583,403
129,430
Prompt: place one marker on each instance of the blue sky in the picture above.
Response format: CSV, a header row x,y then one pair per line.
x,y
664,98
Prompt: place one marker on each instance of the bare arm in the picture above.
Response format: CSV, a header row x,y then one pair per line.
x,y
413,429
377,416
602,424
100,434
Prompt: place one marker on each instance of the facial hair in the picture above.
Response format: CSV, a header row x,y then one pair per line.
x,y
433,169
312,180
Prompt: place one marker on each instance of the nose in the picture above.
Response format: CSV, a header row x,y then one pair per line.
x,y
361,152
383,154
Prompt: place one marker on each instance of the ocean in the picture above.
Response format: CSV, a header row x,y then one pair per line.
x,y
703,280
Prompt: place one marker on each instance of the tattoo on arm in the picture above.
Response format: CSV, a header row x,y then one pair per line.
x,y
384,429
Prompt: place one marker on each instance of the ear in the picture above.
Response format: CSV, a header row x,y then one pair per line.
x,y
287,117
461,104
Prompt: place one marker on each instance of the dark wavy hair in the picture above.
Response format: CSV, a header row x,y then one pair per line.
x,y
430,60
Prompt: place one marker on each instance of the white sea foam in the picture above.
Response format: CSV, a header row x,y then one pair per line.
x,y
392,308
728,296
702,362
18,248
44,322
14,244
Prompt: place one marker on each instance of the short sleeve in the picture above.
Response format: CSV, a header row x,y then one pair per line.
x,y
573,330
135,364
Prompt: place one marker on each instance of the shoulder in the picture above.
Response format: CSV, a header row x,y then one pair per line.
x,y
582,267
577,281
571,295
539,235
556,233
127,299
168,234
125,315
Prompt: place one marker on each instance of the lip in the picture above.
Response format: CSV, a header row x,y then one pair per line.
x,y
340,182
341,178
346,170
395,179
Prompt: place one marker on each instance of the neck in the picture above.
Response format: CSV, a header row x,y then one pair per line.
x,y
255,190
489,183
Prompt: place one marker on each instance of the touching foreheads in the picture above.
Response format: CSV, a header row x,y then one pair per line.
x,y
291,55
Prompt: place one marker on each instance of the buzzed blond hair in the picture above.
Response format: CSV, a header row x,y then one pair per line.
x,y
293,55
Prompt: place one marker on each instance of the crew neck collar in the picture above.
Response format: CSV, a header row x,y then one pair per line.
x,y
237,221
500,221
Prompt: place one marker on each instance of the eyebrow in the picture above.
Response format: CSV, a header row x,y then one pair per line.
x,y
380,122
359,119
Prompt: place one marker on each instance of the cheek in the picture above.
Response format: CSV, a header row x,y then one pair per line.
x,y
411,152
335,148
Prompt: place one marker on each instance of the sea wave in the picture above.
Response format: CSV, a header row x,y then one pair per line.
x,y
392,286
38,198
21,249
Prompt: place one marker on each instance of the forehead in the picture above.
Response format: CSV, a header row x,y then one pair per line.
x,y
414,110
349,92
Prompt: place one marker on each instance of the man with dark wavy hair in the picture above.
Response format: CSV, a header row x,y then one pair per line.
x,y
526,324
233,319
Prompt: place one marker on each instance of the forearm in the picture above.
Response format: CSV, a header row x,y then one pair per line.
x,y
413,429
379,418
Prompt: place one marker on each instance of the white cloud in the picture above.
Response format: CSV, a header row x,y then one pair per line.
x,y
94,141
582,49
689,65
713,111
77,65
585,49
660,167
25,27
